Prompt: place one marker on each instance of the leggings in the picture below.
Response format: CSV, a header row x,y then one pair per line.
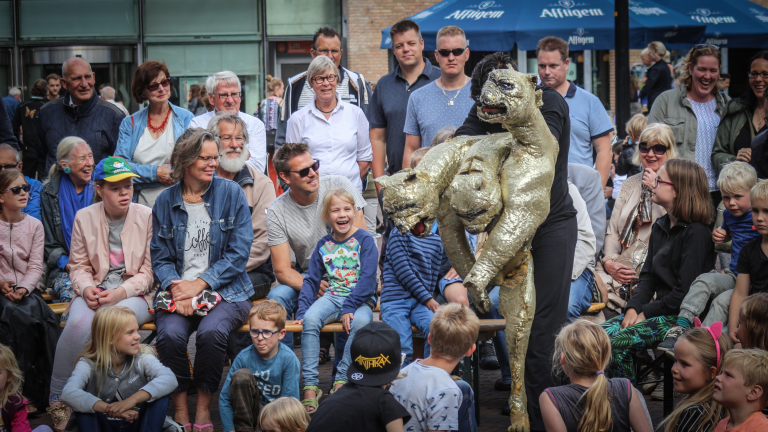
x,y
625,342
76,335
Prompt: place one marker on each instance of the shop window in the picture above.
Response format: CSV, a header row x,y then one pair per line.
x,y
202,19
53,19
6,23
300,17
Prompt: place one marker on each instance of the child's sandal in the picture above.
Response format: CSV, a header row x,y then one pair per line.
x,y
335,383
312,402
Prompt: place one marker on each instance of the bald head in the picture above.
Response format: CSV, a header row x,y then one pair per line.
x,y
78,79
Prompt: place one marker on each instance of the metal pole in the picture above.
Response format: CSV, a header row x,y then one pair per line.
x,y
522,60
621,39
16,35
587,65
140,45
264,47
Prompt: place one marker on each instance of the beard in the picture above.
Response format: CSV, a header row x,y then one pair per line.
x,y
234,165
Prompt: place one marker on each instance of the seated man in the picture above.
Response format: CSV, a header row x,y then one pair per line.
x,y
583,260
10,158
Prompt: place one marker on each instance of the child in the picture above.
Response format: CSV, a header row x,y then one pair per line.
x,y
680,249
624,165
591,401
452,334
262,372
363,403
753,263
284,414
699,354
735,182
752,329
13,405
117,381
349,257
742,388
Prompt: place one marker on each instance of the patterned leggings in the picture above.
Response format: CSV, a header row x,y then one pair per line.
x,y
625,342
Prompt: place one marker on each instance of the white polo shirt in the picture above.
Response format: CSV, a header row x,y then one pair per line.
x,y
257,136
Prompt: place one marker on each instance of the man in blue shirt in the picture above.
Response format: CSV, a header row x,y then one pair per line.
x,y
12,101
590,124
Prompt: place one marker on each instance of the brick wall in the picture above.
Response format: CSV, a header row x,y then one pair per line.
x,y
365,20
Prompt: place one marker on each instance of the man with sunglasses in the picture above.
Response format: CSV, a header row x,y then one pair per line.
x,y
444,102
79,112
10,158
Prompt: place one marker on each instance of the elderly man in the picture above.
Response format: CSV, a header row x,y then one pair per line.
x,y
224,92
10,158
80,112
12,101
108,94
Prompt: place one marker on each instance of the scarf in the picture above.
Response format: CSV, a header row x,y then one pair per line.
x,y
640,214
70,203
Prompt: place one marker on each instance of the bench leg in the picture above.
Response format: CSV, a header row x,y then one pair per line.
x,y
669,386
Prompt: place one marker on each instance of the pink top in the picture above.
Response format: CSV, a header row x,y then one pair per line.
x,y
21,252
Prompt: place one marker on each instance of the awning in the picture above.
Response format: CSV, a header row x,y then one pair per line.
x,y
730,23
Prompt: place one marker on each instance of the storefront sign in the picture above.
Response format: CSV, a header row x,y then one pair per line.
x,y
295,47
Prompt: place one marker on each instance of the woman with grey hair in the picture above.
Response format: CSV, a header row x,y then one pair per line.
x,y
201,241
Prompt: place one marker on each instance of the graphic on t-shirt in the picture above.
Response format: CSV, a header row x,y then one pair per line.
x,y
197,235
342,261
116,258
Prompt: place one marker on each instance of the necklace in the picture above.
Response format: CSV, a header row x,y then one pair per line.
x,y
325,112
162,126
190,200
450,100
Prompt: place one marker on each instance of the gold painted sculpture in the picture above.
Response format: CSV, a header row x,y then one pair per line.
x,y
499,184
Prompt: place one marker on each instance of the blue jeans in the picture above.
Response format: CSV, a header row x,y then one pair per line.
x,y
499,340
467,421
289,299
581,295
151,419
401,315
325,310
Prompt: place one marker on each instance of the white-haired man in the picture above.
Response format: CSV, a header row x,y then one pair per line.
x,y
108,94
224,92
12,101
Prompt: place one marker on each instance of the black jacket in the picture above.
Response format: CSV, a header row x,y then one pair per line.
x,y
760,154
658,80
26,118
625,166
676,257
96,121
6,132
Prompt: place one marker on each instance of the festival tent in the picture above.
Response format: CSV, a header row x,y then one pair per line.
x,y
730,23
497,25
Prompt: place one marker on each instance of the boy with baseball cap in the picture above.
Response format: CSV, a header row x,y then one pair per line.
x,y
364,403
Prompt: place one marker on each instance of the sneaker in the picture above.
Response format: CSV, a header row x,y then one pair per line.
x,y
668,344
500,385
488,359
506,410
658,394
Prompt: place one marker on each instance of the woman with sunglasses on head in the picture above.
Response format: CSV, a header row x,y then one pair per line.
x,y
147,137
27,324
201,242
634,212
744,117
694,110
679,250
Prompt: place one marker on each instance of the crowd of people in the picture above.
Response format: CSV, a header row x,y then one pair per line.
x,y
169,216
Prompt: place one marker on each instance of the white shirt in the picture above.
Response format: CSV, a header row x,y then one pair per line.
x,y
150,151
257,136
584,258
122,108
338,142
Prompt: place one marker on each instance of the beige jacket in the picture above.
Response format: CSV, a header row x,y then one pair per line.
x,y
89,251
259,192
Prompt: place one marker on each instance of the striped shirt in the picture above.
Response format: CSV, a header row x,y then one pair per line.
x,y
691,416
411,267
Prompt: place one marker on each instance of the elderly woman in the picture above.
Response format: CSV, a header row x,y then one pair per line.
x,y
658,77
201,240
694,109
147,138
744,117
629,230
68,189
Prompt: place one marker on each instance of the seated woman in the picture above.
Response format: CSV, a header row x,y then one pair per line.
x,y
680,249
201,241
68,189
109,265
27,324
634,213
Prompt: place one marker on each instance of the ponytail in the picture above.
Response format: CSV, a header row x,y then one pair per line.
x,y
597,407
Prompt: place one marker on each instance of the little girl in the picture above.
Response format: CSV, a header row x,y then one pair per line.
x,y
753,327
591,402
350,258
284,414
699,353
118,384
14,406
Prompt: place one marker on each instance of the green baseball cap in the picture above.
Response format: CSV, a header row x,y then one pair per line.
x,y
113,169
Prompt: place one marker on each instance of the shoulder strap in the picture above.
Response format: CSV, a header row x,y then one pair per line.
x,y
133,125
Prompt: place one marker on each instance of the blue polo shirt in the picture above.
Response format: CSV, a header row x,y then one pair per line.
x,y
742,231
431,109
388,109
589,121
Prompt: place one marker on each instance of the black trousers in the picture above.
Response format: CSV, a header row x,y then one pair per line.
x,y
552,250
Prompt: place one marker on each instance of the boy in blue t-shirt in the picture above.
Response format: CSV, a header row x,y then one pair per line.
x,y
735,182
262,372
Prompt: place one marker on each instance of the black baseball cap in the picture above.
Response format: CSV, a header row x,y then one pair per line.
x,y
374,355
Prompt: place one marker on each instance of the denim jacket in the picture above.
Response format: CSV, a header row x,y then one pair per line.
x,y
231,235
131,130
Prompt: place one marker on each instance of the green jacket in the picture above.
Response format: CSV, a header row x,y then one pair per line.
x,y
673,109
736,115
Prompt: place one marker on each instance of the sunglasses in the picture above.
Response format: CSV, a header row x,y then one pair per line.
x,y
699,46
165,83
658,149
446,52
17,190
5,167
305,171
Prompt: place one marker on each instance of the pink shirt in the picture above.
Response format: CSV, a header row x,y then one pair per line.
x,y
21,252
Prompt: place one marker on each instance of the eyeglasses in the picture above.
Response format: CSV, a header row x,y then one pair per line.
x,y
229,139
658,149
266,334
446,52
165,83
325,52
305,171
17,190
699,46
225,96
331,79
208,159
754,75
659,180
5,167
